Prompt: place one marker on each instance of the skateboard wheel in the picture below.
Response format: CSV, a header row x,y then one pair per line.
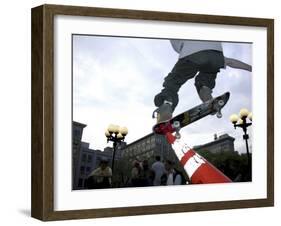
x,y
220,102
219,115
176,124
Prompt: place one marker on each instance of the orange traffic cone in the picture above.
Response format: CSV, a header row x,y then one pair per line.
x,y
198,169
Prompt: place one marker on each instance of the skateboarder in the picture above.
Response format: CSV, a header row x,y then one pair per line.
x,y
199,59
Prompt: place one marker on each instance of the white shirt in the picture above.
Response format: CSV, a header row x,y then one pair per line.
x,y
188,47
99,173
159,169
170,179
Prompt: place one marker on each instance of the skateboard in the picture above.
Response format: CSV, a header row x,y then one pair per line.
x,y
200,111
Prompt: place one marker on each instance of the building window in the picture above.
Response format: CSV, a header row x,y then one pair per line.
x,y
75,141
84,157
76,133
89,158
88,169
80,182
225,147
143,147
82,170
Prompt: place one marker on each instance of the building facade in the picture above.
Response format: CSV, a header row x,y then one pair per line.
x,y
77,132
147,147
223,143
85,165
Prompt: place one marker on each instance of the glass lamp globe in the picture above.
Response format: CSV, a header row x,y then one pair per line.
x,y
111,128
107,134
243,113
234,118
250,116
123,131
119,136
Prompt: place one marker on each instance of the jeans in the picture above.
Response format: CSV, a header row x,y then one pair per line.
x,y
204,65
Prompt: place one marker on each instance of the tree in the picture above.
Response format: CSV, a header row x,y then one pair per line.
x,y
232,164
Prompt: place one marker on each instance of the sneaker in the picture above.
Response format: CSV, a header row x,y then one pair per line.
x,y
164,112
205,95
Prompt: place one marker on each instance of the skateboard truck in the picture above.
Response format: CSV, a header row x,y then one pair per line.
x,y
218,108
176,126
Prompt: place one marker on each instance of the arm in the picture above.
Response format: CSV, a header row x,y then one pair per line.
x,y
237,64
95,172
177,45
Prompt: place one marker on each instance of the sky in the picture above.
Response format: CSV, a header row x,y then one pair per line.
x,y
115,80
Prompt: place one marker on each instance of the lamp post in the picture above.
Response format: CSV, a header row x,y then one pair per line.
x,y
116,134
241,122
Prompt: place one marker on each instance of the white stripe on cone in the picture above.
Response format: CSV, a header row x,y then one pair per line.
x,y
193,163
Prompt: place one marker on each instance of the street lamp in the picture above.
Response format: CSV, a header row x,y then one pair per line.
x,y
241,122
116,134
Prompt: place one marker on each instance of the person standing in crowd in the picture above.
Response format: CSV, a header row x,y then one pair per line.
x,y
145,176
136,174
100,177
159,169
172,176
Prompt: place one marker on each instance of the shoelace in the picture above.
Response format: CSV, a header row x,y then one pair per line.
x,y
153,113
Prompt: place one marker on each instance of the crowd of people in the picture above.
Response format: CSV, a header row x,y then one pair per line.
x,y
160,173
141,175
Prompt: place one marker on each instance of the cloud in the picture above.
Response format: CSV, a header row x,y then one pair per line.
x,y
115,81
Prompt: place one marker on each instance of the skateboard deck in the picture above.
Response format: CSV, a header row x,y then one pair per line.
x,y
200,111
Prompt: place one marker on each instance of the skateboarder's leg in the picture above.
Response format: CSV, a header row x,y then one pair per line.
x,y
182,71
204,83
206,61
168,99
209,62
